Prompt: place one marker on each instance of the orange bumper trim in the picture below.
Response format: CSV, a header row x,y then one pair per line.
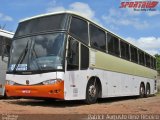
x,y
42,91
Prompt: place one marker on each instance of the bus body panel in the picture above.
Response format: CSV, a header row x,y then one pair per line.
x,y
33,79
39,91
75,84
3,66
112,63
118,77
113,84
4,37
31,85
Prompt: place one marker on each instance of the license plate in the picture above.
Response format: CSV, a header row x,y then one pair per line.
x,y
26,91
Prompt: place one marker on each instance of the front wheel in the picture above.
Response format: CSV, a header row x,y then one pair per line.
x,y
91,92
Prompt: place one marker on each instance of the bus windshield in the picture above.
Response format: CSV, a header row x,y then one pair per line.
x,y
42,24
37,53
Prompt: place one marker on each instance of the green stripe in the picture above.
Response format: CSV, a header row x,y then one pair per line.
x,y
111,63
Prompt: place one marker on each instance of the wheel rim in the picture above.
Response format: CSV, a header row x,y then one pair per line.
x,y
148,91
142,90
92,91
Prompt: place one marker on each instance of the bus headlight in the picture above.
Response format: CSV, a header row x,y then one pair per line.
x,y
9,82
52,81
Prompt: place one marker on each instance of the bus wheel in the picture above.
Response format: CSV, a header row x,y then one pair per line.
x,y
142,91
91,92
147,90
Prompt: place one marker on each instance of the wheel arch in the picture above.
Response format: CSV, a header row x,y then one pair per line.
x,y
148,85
142,83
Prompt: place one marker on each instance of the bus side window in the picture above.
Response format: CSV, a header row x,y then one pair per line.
x,y
84,57
141,57
134,54
79,29
73,55
148,60
98,38
0,50
1,45
113,44
6,47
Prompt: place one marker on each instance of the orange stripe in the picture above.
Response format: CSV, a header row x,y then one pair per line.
x,y
47,91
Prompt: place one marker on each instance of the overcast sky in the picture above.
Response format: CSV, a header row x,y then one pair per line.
x,y
140,28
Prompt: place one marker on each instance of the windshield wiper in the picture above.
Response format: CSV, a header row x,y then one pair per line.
x,y
22,56
36,56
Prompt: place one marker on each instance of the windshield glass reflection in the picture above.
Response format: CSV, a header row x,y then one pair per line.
x,y
41,52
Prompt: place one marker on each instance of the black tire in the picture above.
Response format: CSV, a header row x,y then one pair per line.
x,y
49,100
142,91
4,96
92,92
147,90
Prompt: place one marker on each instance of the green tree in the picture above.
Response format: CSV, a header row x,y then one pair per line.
x,y
158,62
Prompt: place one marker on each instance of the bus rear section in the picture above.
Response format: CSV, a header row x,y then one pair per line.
x,y
5,42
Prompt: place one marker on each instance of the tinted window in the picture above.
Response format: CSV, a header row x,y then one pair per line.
x,y
5,46
1,38
41,52
141,57
154,61
113,45
148,60
73,55
134,56
97,37
48,23
125,50
6,50
84,57
0,49
79,29
1,45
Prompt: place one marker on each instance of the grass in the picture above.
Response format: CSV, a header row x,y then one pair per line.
x,y
158,93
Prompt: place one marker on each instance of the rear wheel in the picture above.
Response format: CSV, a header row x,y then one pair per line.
x,y
142,91
91,92
148,90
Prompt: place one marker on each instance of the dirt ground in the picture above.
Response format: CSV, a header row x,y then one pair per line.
x,y
41,109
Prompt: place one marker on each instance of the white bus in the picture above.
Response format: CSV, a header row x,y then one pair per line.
x,y
66,56
5,42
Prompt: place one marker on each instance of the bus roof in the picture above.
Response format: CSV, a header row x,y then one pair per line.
x,y
6,33
80,15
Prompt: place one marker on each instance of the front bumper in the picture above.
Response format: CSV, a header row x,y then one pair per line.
x,y
36,91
